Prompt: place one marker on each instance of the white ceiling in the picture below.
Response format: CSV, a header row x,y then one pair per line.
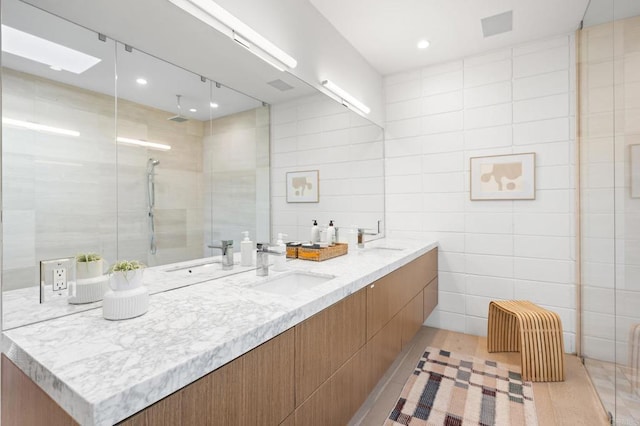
x,y
167,33
386,32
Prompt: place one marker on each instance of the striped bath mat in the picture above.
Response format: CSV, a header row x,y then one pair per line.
x,y
452,389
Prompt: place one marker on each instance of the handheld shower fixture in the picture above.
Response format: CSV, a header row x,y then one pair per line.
x,y
151,198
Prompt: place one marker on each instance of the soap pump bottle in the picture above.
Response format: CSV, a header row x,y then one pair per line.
x,y
331,234
246,250
279,263
315,232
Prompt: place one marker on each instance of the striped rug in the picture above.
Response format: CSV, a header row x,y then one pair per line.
x,y
452,389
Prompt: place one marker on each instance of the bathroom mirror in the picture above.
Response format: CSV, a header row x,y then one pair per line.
x,y
95,163
91,186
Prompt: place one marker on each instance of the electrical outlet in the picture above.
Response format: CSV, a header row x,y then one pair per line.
x,y
59,279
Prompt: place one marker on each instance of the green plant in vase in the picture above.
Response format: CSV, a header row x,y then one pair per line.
x,y
126,275
89,265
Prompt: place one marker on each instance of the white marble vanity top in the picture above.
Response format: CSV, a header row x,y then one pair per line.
x,y
102,372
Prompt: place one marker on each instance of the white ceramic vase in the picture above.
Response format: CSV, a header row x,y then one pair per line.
x,y
88,270
125,280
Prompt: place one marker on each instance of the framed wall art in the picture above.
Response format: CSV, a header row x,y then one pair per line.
x,y
634,154
302,187
503,177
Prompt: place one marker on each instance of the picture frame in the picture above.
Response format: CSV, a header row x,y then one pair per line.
x,y
303,187
503,177
634,159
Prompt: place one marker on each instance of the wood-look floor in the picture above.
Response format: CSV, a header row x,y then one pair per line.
x,y
572,402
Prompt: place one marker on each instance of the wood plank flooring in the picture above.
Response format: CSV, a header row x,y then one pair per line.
x,y
572,402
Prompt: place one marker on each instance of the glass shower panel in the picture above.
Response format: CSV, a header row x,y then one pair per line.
x,y
609,71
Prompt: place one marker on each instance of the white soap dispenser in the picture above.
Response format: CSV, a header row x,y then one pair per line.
x,y
279,262
246,250
315,232
331,234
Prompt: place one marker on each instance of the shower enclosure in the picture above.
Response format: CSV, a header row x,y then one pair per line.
x,y
609,152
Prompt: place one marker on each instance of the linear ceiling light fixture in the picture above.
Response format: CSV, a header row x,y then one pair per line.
x,y
37,49
218,18
347,99
146,144
38,127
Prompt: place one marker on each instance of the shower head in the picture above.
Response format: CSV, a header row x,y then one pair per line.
x,y
151,164
178,118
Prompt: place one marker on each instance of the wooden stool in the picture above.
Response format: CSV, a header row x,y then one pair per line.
x,y
519,325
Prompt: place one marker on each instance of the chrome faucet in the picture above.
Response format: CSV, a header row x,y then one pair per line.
x,y
227,253
362,232
262,258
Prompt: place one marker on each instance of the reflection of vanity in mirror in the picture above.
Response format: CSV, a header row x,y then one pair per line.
x,y
157,164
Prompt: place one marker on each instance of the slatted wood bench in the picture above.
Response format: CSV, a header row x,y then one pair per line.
x,y
521,326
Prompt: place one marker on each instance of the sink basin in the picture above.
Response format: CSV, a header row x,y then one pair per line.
x,y
384,248
291,283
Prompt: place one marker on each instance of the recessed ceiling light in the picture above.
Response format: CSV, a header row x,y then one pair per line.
x,y
423,44
55,68
214,105
44,51
141,81
193,110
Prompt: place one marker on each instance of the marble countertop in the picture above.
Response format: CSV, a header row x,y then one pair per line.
x,y
102,372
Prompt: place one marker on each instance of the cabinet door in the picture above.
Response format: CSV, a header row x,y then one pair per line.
x,y
384,300
383,349
350,386
430,297
326,341
268,381
411,318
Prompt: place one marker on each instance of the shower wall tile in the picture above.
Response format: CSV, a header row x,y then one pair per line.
x,y
516,100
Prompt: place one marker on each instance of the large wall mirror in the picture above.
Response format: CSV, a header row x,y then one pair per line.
x,y
119,152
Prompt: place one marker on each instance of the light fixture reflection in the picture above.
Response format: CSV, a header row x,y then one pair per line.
x,y
39,127
213,105
46,52
347,99
141,81
221,20
146,144
423,44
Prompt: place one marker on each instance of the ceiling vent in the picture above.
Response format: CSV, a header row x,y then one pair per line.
x,y
280,85
497,24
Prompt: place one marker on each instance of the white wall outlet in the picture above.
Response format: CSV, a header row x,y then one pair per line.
x,y
59,279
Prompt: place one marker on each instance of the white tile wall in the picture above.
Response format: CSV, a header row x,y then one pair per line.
x,y
316,133
510,101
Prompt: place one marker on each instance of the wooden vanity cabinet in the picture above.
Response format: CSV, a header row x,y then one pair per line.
x,y
317,373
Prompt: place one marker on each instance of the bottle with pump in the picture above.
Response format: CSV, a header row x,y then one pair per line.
x,y
279,262
246,250
315,232
331,234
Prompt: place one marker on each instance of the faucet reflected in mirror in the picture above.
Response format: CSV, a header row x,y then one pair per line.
x,y
226,246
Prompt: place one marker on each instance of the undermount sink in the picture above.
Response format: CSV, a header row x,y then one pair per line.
x,y
384,248
291,283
